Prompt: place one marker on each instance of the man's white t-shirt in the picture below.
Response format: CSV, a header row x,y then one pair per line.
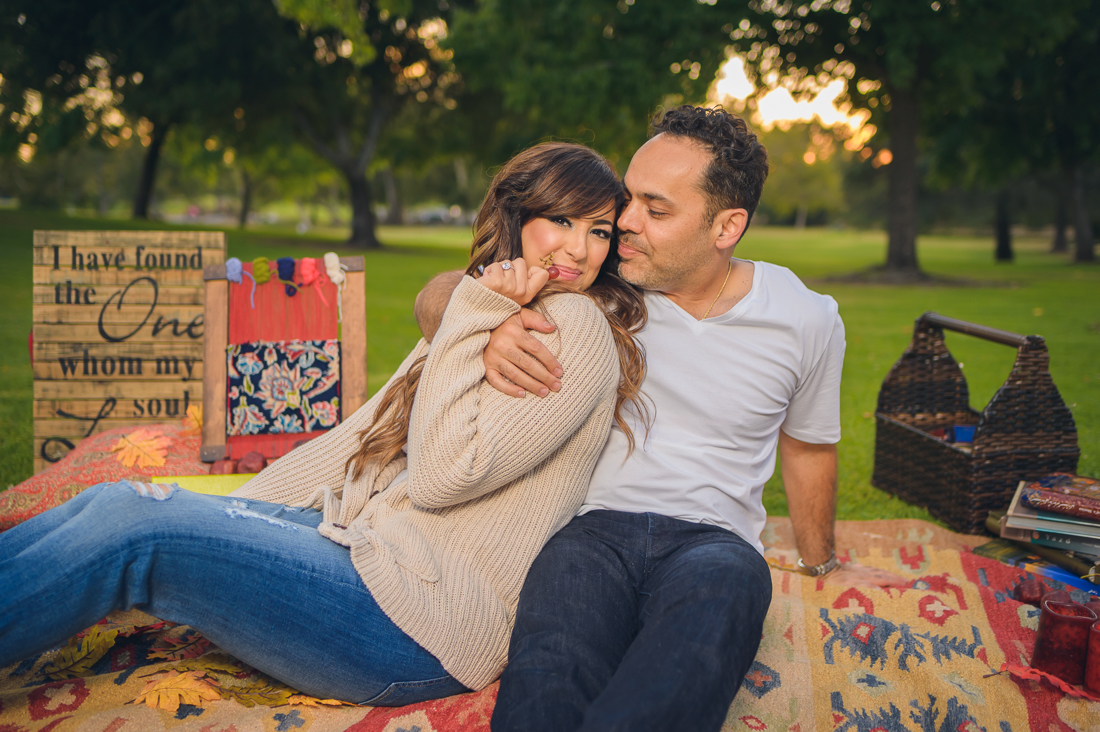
x,y
720,389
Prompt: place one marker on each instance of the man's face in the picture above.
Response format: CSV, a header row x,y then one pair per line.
x,y
663,232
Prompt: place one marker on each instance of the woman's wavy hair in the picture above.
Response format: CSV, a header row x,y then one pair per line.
x,y
549,179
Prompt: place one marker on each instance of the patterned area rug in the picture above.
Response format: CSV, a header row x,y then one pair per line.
x,y
920,659
95,460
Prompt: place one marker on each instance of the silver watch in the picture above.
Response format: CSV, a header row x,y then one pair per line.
x,y
818,570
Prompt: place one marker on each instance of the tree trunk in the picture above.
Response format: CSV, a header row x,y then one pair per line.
x,y
901,250
395,207
1082,227
246,199
144,196
1060,243
1002,228
332,203
362,214
800,216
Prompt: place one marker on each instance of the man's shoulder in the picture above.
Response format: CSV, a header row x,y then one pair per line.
x,y
782,280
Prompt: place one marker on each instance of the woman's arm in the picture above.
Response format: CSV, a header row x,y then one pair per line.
x,y
467,439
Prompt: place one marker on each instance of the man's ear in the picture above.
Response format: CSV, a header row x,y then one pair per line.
x,y
729,226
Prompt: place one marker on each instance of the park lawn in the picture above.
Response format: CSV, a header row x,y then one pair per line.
x,y
1039,293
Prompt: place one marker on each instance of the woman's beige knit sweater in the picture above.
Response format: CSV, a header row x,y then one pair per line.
x,y
490,479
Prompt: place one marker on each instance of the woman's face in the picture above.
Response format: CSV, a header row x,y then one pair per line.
x,y
576,246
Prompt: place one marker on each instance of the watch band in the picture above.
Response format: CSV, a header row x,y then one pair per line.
x,y
818,570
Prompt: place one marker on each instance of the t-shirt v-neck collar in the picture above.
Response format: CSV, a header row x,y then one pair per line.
x,y
732,314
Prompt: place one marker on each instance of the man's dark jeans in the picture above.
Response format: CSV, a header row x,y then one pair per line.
x,y
633,622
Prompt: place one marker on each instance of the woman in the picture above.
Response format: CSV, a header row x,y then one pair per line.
x,y
407,588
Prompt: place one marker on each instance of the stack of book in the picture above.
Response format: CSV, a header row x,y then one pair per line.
x,y
1057,518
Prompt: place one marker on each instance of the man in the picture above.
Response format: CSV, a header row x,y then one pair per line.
x,y
646,610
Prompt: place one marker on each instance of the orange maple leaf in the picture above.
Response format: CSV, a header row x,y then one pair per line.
x,y
193,420
146,446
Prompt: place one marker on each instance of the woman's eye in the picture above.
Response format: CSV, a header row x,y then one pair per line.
x,y
560,220
602,233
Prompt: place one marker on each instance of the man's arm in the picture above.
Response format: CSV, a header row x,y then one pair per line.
x,y
809,478
515,361
431,302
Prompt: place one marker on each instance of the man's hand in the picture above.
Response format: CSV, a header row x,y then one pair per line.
x,y
516,362
857,575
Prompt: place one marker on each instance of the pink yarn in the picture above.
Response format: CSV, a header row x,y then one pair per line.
x,y
310,272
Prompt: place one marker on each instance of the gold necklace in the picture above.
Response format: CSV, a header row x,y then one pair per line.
x,y
728,270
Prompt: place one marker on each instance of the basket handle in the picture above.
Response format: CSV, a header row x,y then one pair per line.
x,y
979,331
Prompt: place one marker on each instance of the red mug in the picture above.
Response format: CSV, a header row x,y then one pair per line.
x,y
1062,644
1092,667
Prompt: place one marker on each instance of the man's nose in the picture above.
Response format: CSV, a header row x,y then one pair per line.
x,y
628,219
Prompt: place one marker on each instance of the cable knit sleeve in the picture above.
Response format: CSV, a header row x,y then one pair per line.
x,y
467,439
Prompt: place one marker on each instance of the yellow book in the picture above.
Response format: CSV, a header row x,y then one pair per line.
x,y
214,485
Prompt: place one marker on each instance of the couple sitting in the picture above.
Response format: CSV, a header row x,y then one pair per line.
x,y
578,506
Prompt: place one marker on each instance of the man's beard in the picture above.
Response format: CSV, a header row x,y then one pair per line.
x,y
647,273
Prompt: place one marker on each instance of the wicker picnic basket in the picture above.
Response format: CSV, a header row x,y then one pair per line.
x,y
1025,432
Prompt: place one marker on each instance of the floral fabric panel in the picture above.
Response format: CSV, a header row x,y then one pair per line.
x,y
283,387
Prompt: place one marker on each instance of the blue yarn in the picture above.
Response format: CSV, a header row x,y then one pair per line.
x,y
286,274
234,272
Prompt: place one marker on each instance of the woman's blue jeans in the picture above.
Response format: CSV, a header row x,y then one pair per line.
x,y
255,578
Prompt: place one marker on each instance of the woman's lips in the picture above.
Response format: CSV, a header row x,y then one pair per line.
x,y
564,273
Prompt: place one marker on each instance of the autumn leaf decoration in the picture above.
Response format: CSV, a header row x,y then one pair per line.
x,y
179,644
146,447
312,701
81,652
173,688
193,420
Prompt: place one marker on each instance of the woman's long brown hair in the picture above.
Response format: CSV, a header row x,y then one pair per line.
x,y
550,179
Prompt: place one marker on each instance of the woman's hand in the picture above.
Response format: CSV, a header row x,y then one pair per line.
x,y
517,281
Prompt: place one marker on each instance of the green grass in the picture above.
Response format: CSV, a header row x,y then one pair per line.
x,y
1039,293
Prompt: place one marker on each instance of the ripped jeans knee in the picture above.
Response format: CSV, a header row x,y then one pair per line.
x,y
155,491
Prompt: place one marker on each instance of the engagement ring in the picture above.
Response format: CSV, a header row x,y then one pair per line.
x,y
506,265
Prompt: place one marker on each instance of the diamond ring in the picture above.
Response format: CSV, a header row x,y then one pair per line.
x,y
506,265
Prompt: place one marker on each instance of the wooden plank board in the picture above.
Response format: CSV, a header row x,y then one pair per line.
x,y
118,330
150,239
114,314
74,430
138,295
44,275
214,384
117,389
164,368
156,330
148,351
134,258
353,345
87,411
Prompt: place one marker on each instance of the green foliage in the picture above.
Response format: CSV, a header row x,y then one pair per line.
x,y
933,50
343,15
587,70
1040,113
796,187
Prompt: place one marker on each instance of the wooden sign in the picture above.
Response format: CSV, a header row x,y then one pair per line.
x,y
118,331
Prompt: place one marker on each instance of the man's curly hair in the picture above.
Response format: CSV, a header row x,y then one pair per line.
x,y
735,175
